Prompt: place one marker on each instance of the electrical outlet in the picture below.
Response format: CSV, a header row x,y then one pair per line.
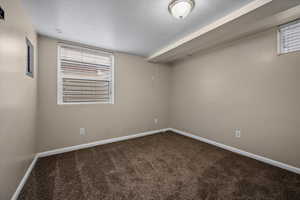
x,y
155,121
237,132
82,131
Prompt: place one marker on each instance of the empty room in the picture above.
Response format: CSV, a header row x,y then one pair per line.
x,y
149,100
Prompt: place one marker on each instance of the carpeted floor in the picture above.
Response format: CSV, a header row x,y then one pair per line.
x,y
164,166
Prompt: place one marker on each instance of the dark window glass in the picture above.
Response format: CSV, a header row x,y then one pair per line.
x,y
29,64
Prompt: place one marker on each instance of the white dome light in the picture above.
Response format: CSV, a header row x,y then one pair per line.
x,y
181,8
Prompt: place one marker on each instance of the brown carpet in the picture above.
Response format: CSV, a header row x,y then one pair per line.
x,y
163,166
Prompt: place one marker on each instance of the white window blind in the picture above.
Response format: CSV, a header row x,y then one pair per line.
x,y
289,35
85,76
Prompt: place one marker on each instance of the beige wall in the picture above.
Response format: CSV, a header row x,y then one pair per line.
x,y
138,101
17,98
242,85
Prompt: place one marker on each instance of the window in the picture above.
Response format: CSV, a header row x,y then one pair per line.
x,y
2,14
85,76
29,58
289,37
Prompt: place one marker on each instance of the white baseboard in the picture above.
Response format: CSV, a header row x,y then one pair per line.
x,y
101,142
73,148
24,179
239,151
107,141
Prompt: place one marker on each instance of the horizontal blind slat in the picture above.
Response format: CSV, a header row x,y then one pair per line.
x,y
86,75
65,61
290,37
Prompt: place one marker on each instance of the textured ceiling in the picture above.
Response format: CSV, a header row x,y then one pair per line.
x,y
139,27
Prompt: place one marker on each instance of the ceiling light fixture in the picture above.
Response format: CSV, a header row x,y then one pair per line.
x,y
181,8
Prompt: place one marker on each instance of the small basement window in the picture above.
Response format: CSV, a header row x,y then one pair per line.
x,y
29,58
289,37
85,76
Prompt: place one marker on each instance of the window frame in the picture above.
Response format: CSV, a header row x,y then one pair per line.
x,y
59,77
279,38
29,58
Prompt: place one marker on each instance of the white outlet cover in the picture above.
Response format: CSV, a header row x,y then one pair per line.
x,y
82,131
155,120
237,132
